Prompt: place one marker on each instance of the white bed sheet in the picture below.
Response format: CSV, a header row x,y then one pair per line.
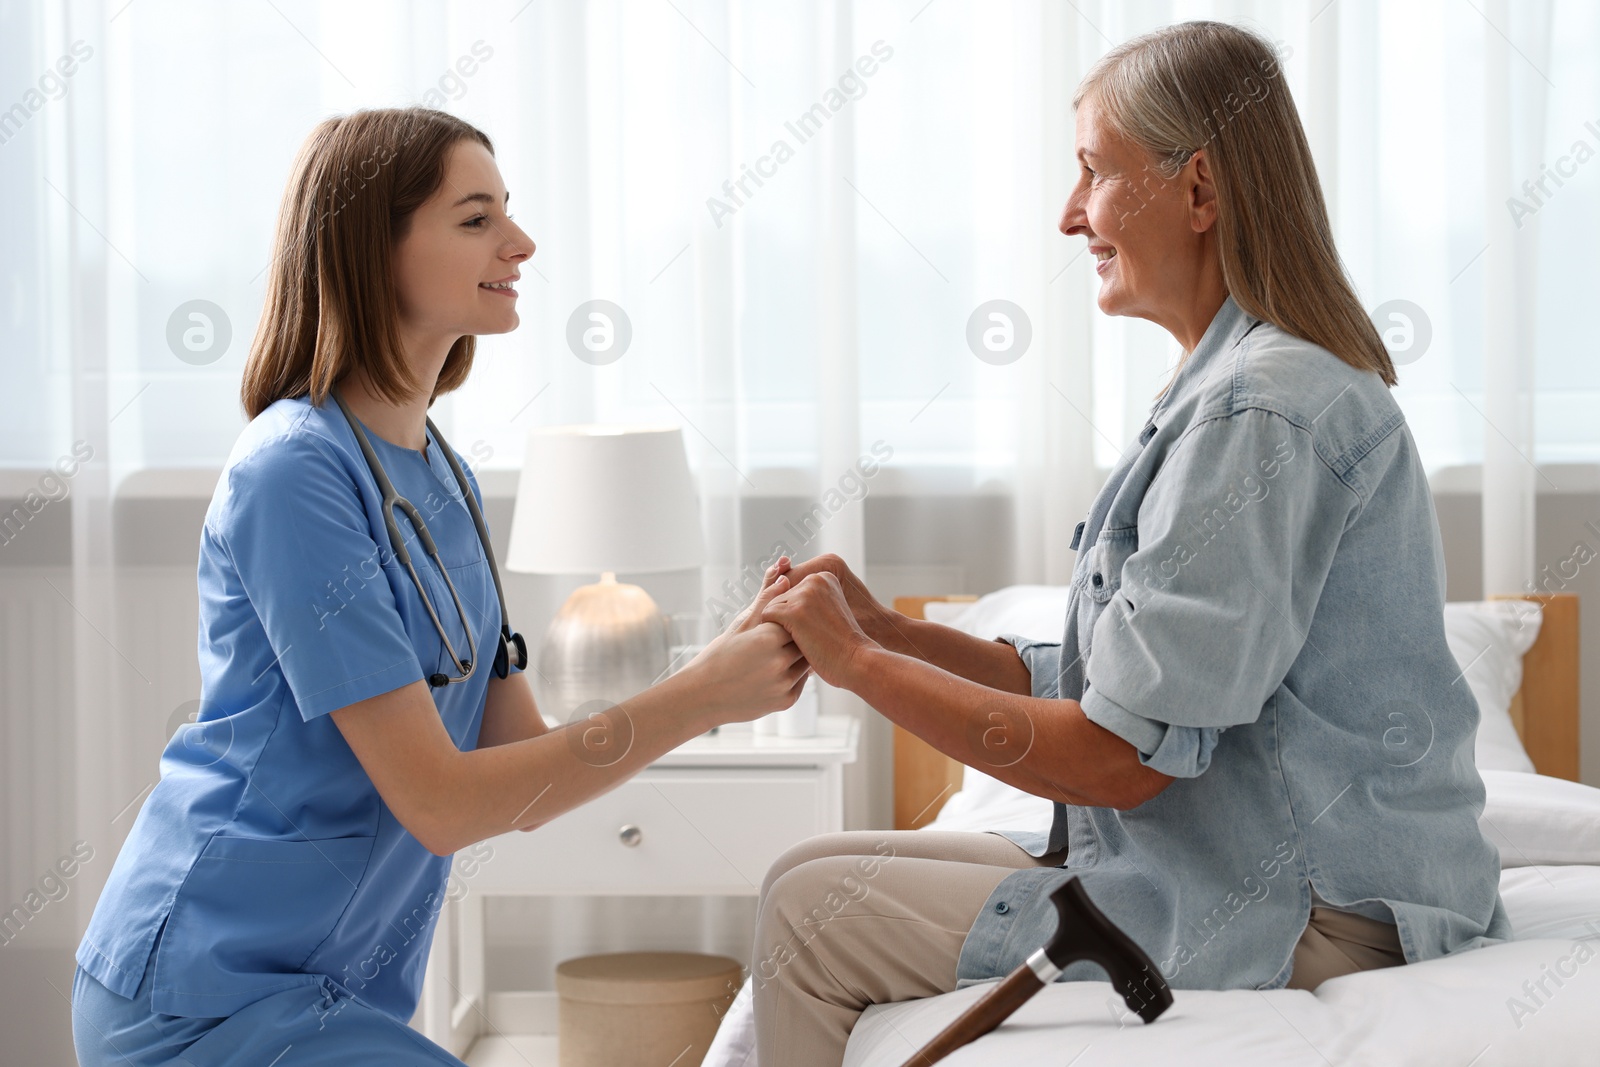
x,y
1467,1010
1458,1010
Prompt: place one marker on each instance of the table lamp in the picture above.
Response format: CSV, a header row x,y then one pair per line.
x,y
599,500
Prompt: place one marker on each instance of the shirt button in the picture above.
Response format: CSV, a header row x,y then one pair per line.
x,y
1097,581
1002,907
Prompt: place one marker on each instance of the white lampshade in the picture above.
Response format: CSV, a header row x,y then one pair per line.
x,y
605,498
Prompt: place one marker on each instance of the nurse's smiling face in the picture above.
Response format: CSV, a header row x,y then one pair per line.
x,y
459,243
1153,236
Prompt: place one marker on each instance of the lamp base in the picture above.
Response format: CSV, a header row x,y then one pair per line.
x,y
608,642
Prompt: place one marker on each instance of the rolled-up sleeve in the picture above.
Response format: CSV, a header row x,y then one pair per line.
x,y
1043,660
1216,594
1181,751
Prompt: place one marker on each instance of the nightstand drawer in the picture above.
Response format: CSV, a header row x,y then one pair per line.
x,y
665,831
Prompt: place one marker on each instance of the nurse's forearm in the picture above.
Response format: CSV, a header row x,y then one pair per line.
x,y
510,713
994,664
1045,747
524,784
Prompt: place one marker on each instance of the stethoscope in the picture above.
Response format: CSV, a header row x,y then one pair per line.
x,y
503,661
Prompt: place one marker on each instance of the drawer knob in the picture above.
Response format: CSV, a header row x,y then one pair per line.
x,y
631,835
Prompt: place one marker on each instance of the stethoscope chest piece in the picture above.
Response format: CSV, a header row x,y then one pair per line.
x,y
513,653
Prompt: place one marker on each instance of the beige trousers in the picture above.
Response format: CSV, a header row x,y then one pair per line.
x,y
871,917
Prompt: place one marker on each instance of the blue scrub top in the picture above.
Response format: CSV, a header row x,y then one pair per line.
x,y
265,847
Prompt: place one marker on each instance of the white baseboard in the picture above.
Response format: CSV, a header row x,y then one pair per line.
x,y
530,1011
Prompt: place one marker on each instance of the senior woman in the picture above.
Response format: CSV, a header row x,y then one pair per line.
x,y
1257,583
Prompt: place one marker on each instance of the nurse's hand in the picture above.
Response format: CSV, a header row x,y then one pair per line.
x,y
818,616
752,667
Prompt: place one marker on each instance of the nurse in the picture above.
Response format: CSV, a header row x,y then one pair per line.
x,y
1260,761
277,895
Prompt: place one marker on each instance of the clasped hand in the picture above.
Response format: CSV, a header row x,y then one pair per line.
x,y
805,618
826,611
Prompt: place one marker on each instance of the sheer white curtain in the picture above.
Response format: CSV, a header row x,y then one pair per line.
x,y
800,208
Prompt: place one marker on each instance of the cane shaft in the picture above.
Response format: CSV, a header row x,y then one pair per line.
x,y
995,1007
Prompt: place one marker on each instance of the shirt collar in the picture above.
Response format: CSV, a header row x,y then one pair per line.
x,y
1228,325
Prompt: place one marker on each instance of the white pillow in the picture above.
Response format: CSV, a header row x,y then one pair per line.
x,y
1534,819
1036,611
1487,639
1552,902
986,803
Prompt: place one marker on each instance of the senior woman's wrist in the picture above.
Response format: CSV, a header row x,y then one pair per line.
x,y
860,665
894,631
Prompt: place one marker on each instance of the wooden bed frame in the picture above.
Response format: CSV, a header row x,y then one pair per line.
x,y
1544,711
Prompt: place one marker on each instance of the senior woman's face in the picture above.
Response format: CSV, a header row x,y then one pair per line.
x,y
1149,234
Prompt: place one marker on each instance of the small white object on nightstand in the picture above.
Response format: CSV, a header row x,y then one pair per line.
x,y
800,720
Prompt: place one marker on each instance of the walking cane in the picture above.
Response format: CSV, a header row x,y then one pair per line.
x,y
1083,933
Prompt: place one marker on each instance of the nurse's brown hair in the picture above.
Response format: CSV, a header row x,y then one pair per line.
x,y
331,303
1214,86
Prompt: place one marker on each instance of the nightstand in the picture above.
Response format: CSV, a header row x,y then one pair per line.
x,y
706,819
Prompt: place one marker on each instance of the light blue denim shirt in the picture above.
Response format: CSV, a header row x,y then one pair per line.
x,y
1257,607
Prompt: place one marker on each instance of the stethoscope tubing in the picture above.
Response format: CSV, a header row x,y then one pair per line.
x,y
391,500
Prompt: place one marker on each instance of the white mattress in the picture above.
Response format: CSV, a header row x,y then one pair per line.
x,y
1457,1010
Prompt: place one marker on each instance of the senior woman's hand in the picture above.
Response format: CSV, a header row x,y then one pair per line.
x,y
818,616
876,621
991,663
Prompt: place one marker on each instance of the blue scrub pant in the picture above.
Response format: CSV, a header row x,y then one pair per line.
x,y
309,1026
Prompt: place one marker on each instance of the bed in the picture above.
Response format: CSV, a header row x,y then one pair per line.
x,y
1530,1000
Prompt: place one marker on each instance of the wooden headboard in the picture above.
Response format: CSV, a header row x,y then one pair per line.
x,y
1544,711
